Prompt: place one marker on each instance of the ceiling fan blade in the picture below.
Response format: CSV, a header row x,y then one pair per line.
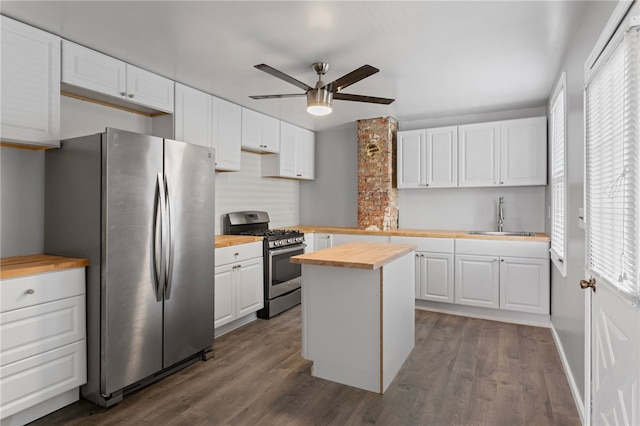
x,y
360,98
282,76
353,77
291,95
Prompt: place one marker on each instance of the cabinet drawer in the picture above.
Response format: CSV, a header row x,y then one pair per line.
x,y
38,378
30,290
434,245
534,249
31,331
238,253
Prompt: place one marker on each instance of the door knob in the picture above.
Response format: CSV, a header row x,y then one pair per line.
x,y
584,284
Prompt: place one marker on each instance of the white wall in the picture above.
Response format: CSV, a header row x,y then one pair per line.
x,y
332,198
247,190
567,299
472,208
21,202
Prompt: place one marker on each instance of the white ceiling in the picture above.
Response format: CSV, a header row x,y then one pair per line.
x,y
437,59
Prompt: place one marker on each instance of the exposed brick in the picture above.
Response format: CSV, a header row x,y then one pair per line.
x,y
377,195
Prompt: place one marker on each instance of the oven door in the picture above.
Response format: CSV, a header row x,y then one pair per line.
x,y
283,276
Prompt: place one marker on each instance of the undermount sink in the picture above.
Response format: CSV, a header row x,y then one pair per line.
x,y
504,233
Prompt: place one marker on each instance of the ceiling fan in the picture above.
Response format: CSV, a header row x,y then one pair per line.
x,y
319,97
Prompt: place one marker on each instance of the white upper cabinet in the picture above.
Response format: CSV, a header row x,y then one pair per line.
x,y
442,157
30,95
96,72
410,159
297,154
478,154
202,119
149,89
260,132
523,151
428,158
226,133
503,153
192,116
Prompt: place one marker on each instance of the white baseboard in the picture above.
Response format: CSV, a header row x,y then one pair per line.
x,y
567,372
524,318
224,329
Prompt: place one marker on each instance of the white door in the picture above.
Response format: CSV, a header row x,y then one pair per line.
x,y
226,134
524,285
192,117
437,277
224,298
249,287
611,218
287,156
305,154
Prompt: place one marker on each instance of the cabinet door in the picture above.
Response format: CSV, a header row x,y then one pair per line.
x,y
523,151
30,95
224,298
192,117
287,155
477,280
149,89
270,134
442,157
323,241
479,154
93,70
436,277
251,130
249,287
524,285
305,154
411,159
226,134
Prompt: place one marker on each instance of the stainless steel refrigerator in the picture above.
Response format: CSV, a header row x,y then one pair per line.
x,y
141,209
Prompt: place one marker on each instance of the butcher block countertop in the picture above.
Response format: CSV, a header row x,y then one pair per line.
x,y
431,233
18,266
358,255
234,240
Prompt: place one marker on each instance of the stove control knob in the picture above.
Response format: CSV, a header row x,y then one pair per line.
x,y
289,240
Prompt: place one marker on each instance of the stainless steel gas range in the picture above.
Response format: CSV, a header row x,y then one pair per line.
x,y
282,279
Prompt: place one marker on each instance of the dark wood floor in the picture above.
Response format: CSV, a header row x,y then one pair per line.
x,y
463,371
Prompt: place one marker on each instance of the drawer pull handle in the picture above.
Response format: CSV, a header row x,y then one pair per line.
x,y
30,291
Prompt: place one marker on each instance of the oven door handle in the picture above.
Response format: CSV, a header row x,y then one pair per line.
x,y
286,250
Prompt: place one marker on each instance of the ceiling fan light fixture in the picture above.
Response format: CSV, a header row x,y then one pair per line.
x,y
319,101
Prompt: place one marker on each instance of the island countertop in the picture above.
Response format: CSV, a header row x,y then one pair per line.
x,y
358,255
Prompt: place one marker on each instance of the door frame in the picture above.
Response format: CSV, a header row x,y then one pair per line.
x,y
616,18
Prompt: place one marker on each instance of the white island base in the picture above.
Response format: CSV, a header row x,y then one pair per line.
x,y
358,324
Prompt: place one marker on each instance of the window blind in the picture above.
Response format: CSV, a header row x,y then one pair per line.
x,y
611,176
558,179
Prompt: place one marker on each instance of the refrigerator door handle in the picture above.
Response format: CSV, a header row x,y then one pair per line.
x,y
169,239
161,276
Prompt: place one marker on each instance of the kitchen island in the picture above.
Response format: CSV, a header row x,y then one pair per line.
x,y
358,312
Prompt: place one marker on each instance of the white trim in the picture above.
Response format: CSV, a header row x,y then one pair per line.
x,y
240,322
559,259
567,372
512,317
586,419
610,28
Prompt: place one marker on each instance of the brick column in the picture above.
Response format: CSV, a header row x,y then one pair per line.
x,y
377,193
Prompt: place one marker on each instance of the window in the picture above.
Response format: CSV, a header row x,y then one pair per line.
x,y
557,133
611,179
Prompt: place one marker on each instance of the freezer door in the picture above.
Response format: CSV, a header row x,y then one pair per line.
x,y
188,306
131,326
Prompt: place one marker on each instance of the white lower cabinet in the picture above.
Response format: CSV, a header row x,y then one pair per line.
x,y
434,267
509,275
524,285
43,359
434,276
239,285
477,281
322,241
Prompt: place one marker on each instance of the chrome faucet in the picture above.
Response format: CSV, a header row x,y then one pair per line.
x,y
500,214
